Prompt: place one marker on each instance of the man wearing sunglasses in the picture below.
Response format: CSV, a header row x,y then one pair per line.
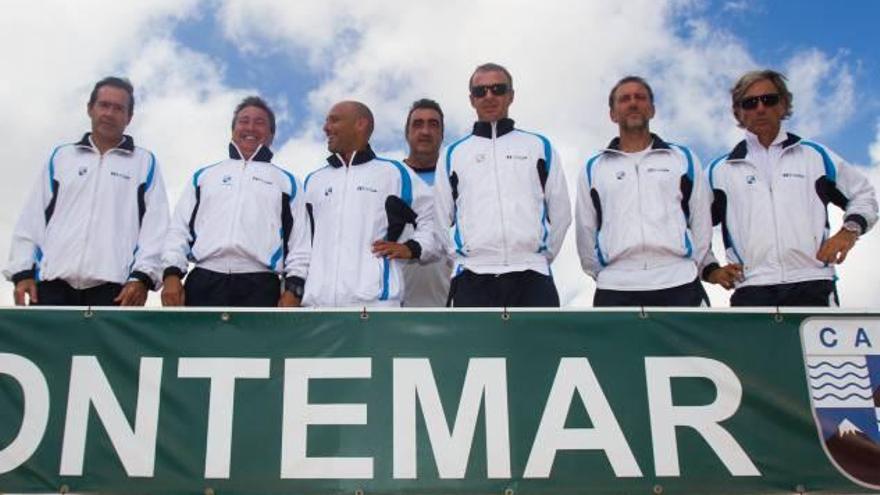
x,y
643,224
503,193
771,195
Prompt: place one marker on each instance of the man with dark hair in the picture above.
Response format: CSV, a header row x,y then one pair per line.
x,y
642,214
426,284
502,191
240,221
359,206
770,194
91,231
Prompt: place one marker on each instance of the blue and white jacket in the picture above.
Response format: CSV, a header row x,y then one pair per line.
x,y
238,216
775,229
350,206
92,218
503,193
643,225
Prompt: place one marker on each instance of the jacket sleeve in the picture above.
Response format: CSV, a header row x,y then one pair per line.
x,y
30,229
148,265
426,229
176,250
700,221
558,206
444,206
299,244
586,225
861,205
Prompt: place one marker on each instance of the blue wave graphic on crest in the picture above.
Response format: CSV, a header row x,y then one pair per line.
x,y
833,385
848,363
841,377
832,394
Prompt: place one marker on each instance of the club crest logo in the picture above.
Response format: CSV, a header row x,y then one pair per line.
x,y
842,357
751,179
82,171
226,180
620,174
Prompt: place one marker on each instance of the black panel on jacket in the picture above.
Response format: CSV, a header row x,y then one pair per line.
x,y
687,187
399,214
192,218
311,221
829,193
142,203
597,205
51,208
286,222
543,172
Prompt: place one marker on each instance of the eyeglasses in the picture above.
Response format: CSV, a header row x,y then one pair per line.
x,y
496,89
751,103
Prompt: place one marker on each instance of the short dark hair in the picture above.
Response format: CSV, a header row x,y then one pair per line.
x,y
425,103
116,82
491,67
630,79
255,101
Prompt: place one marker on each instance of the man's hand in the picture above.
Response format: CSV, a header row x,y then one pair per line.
x,y
25,292
392,250
726,276
288,300
133,293
834,250
172,291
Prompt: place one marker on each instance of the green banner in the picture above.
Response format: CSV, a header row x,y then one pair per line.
x,y
552,402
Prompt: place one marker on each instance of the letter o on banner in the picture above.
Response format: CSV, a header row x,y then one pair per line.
x,y
35,416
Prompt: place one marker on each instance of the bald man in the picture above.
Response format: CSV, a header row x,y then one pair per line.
x,y
358,206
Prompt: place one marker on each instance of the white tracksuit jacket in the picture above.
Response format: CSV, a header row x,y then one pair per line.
x,y
93,218
503,193
238,216
775,230
350,206
643,225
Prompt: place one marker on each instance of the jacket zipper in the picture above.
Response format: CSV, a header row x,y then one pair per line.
x,y
339,223
96,181
778,243
498,191
641,212
237,210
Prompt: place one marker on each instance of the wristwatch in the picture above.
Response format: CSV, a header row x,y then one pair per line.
x,y
853,227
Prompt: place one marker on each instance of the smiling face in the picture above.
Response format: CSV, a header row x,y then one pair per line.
x,y
110,114
344,128
491,107
632,108
251,129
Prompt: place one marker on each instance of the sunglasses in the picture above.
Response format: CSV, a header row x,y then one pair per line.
x,y
496,89
751,103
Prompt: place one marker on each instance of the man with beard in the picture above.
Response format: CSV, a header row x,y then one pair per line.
x,y
642,217
91,231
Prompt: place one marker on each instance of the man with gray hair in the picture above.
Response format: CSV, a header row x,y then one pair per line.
x,y
643,224
503,192
240,221
770,196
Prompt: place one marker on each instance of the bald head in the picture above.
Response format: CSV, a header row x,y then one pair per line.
x,y
348,127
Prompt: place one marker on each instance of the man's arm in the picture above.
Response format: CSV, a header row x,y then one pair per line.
x,y
424,244
299,250
558,206
27,237
177,247
146,271
586,227
444,205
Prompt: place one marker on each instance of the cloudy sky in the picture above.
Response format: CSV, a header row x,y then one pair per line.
x,y
191,61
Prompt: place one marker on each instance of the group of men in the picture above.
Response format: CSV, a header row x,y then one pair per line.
x,y
477,224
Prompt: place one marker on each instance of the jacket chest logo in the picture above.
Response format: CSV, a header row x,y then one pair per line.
x,y
793,175
516,157
261,180
751,179
366,189
226,180
657,169
83,170
620,174
480,157
328,191
119,175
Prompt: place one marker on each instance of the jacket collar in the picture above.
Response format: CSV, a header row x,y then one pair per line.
x,y
360,157
740,151
127,143
657,144
263,154
484,129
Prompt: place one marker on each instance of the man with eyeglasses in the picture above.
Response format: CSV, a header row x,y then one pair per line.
x,y
642,214
91,231
502,193
241,222
770,196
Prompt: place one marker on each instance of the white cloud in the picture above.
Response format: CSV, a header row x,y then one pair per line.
x,y
564,56
874,149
